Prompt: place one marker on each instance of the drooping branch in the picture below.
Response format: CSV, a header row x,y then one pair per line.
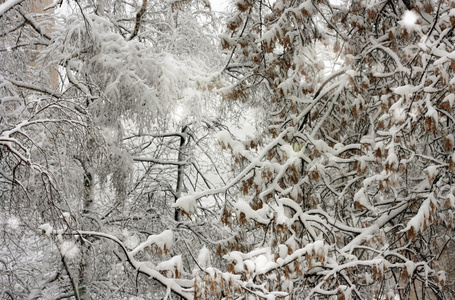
x,y
34,24
35,88
4,7
141,267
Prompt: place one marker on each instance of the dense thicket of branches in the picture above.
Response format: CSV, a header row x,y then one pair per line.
x,y
120,178
363,158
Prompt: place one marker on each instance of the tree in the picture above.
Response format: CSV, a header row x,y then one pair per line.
x,y
114,164
352,192
35,125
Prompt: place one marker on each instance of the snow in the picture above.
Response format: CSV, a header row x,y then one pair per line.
x,y
249,266
405,90
450,200
374,228
338,146
13,222
46,228
361,198
432,171
219,5
410,267
409,20
397,111
392,159
69,249
282,251
226,141
432,113
131,240
418,222
321,146
442,277
292,150
250,214
393,55
291,243
450,98
186,203
4,7
368,278
204,257
174,266
451,139
261,261
162,240
286,86
279,5
316,222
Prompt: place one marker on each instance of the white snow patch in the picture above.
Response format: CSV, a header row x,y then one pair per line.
x,y
245,208
13,222
67,216
131,240
282,251
419,220
162,240
410,266
46,228
69,249
398,112
368,278
186,203
405,90
409,20
432,113
173,265
204,258
362,198
432,172
392,160
442,276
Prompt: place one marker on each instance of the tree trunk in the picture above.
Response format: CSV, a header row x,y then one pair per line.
x,y
181,170
88,206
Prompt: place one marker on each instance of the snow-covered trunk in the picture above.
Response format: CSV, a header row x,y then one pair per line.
x,y
84,276
89,174
100,7
180,170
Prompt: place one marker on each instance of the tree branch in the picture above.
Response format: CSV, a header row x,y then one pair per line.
x,y
138,19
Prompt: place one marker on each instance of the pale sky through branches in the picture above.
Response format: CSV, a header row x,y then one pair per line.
x,y
219,5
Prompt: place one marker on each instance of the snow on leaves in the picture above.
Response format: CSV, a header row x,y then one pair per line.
x,y
423,218
373,144
160,243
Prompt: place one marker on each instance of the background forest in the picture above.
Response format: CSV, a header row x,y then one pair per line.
x,y
282,149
